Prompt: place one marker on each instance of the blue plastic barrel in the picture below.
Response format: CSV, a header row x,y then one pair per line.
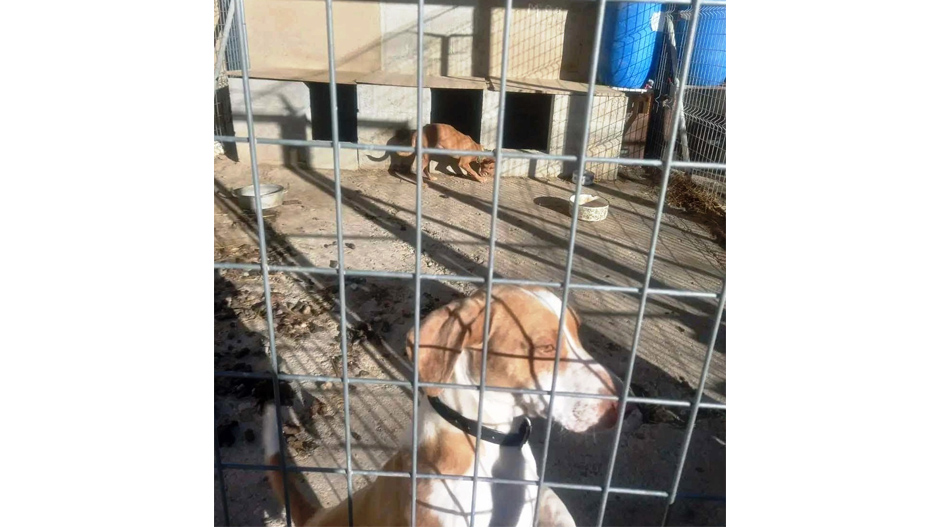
x,y
708,55
628,44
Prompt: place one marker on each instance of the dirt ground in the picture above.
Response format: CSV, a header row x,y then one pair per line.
x,y
379,231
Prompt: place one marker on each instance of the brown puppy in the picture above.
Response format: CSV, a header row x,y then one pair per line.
x,y
446,136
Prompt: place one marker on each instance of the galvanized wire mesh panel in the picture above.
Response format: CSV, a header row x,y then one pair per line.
x,y
703,130
233,57
225,45
581,159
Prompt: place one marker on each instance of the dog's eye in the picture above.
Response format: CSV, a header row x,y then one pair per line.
x,y
544,349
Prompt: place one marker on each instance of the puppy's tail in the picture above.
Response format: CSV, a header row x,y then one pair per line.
x,y
301,510
414,136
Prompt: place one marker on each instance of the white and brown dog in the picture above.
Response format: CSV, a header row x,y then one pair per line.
x,y
523,334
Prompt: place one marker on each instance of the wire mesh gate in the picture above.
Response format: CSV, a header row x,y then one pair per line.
x,y
701,113
666,164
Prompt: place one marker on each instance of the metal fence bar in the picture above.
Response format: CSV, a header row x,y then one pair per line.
x,y
699,164
292,468
322,270
672,292
453,278
340,250
700,497
445,385
657,222
447,151
473,279
419,182
454,477
491,262
263,250
514,281
518,154
509,154
625,161
696,404
221,472
572,238
234,265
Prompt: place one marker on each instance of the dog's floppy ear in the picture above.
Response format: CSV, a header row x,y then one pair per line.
x,y
574,315
444,334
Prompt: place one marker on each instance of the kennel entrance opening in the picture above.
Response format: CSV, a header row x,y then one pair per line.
x,y
346,106
528,121
460,108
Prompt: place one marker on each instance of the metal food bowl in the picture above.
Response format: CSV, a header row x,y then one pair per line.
x,y
586,180
589,213
271,196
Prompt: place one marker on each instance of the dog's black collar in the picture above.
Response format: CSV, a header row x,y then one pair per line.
x,y
469,426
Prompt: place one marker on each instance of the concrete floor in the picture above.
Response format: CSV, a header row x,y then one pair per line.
x,y
378,226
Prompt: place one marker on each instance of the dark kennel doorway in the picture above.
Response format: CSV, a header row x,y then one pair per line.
x,y
224,122
528,121
347,106
462,109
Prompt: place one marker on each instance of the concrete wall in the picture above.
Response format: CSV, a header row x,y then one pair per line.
x,y
549,39
292,34
449,40
565,136
536,43
608,116
281,110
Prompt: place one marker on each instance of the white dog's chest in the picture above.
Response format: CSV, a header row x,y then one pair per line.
x,y
498,505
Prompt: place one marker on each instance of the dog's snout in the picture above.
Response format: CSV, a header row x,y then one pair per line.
x,y
609,415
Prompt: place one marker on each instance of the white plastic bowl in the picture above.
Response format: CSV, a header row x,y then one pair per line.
x,y
586,213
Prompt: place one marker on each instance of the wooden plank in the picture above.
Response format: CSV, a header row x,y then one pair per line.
x,y
408,80
302,75
550,86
